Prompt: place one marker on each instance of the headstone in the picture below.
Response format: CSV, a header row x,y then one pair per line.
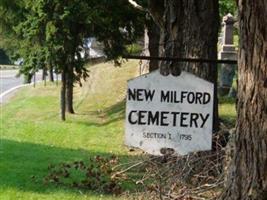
x,y
228,52
169,113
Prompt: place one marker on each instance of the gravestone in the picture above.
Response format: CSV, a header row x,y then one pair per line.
x,y
228,52
169,113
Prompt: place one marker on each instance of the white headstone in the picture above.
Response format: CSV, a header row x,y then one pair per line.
x,y
169,112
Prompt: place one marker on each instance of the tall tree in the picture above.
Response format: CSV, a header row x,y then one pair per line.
x,y
51,33
247,174
189,29
11,13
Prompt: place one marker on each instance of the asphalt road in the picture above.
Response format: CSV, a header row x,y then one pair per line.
x,y
8,80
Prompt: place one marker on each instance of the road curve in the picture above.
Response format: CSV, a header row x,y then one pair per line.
x,y
9,82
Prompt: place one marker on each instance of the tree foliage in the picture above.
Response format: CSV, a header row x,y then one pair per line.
x,y
227,6
50,33
4,59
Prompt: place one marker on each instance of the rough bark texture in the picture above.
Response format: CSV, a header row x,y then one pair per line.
x,y
247,177
189,29
63,96
151,46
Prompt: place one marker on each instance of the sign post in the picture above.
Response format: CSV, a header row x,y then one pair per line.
x,y
168,112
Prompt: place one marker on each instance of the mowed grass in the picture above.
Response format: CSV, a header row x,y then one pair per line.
x,y
227,111
33,137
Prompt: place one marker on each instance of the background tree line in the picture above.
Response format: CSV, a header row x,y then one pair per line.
x,y
51,35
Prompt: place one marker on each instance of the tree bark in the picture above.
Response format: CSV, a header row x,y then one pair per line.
x,y
69,94
63,95
189,29
44,76
153,45
51,74
247,174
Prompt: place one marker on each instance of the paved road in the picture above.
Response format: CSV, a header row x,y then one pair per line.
x,y
8,80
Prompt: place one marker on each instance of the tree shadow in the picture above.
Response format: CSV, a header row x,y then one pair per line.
x,y
24,165
109,115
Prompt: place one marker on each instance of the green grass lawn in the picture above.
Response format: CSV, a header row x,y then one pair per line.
x,y
33,137
227,111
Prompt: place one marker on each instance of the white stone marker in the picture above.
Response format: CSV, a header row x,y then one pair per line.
x,y
169,112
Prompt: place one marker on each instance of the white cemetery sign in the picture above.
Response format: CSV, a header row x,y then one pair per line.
x,y
168,112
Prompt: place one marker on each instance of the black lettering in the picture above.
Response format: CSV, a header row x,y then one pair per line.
x,y
153,119
131,94
130,117
165,97
175,98
144,135
141,116
204,119
190,97
198,97
206,98
174,117
182,119
149,95
161,135
139,94
183,95
163,117
193,119
155,135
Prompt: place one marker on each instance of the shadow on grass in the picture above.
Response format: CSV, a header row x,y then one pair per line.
x,y
227,100
23,165
107,116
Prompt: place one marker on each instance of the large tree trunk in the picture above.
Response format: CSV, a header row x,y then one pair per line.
x,y
69,95
247,174
63,95
189,29
151,47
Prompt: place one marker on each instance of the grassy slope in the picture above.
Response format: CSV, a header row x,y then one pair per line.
x,y
32,136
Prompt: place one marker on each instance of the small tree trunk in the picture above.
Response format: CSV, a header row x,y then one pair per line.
x,y
27,78
51,74
69,95
44,76
63,95
57,79
247,173
34,79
